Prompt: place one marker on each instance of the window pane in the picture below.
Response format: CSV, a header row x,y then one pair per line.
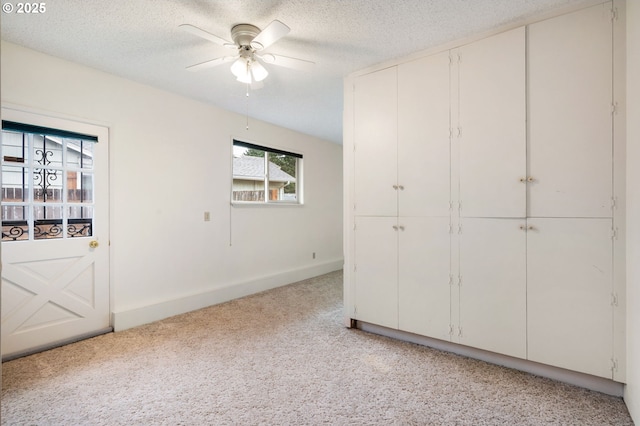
x,y
80,222
14,147
248,174
14,184
79,154
79,187
48,222
14,223
282,177
47,185
47,151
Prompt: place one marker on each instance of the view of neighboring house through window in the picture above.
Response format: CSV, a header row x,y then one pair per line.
x,y
47,183
281,183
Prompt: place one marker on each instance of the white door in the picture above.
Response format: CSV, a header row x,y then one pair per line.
x,y
570,101
493,126
55,234
423,137
569,287
376,140
376,270
493,287
423,270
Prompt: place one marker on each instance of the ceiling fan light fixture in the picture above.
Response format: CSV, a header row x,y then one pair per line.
x,y
258,71
240,69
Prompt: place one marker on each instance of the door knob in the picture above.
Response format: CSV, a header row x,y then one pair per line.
x,y
93,244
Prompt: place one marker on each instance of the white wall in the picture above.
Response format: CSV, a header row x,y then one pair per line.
x,y
632,391
170,162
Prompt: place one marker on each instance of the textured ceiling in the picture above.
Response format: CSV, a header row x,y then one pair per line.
x,y
140,40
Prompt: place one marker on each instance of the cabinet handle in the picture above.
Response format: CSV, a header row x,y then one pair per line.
x,y
401,187
531,228
530,179
401,228
395,186
522,227
523,180
395,228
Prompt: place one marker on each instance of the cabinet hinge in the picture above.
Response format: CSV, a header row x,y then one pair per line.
x,y
459,280
450,280
355,268
354,147
614,365
459,229
459,57
614,14
459,205
459,132
450,229
614,202
614,299
354,226
450,205
459,331
614,233
450,329
614,108
354,207
355,310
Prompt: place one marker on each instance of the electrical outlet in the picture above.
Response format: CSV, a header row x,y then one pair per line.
x,y
207,216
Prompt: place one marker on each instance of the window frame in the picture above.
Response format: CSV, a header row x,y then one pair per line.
x,y
268,150
67,225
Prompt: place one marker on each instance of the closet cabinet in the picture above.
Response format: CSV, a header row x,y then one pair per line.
x,y
569,284
570,244
483,187
375,142
402,197
492,281
402,273
423,136
492,126
570,112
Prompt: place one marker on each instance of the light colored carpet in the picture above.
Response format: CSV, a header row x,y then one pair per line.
x,y
281,357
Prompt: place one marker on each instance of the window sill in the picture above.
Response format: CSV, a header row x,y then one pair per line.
x,y
251,204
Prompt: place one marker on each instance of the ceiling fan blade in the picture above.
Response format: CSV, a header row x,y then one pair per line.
x,y
212,63
285,61
203,34
272,33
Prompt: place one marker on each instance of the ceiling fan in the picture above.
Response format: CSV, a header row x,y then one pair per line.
x,y
249,42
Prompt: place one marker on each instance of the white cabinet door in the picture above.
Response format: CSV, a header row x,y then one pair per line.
x,y
424,268
493,126
376,270
423,136
569,273
570,101
376,128
493,289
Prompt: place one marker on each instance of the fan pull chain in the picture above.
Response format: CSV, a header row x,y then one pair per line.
x,y
248,71
247,96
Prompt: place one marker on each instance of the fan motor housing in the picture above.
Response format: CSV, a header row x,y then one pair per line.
x,y
243,34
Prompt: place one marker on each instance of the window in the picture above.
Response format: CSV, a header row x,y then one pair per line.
x,y
47,183
281,183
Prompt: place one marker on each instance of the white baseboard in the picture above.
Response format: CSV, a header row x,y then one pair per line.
x,y
586,381
123,320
